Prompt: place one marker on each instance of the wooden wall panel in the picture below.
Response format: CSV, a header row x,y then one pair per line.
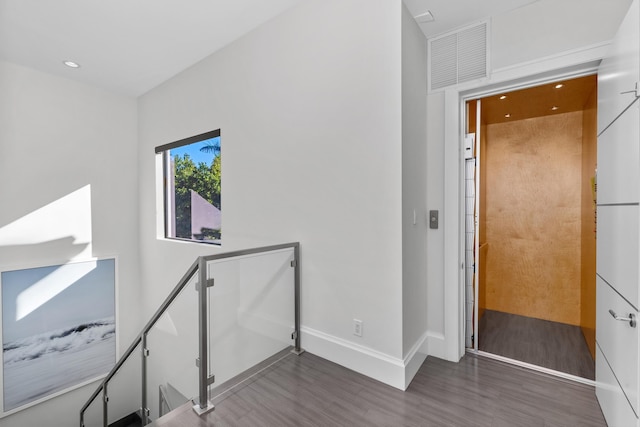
x,y
588,254
533,217
471,116
482,279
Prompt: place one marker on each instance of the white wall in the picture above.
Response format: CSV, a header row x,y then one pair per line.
x,y
414,188
435,237
309,106
67,185
532,43
548,27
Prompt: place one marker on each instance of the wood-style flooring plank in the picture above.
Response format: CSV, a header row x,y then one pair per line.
x,y
544,343
309,391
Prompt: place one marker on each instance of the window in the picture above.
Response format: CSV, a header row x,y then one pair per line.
x,y
192,176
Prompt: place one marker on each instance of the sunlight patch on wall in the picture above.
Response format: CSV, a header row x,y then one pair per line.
x,y
66,221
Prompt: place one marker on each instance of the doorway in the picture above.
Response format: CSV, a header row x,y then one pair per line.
x,y
530,192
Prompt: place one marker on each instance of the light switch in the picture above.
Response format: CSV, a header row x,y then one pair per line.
x,y
433,219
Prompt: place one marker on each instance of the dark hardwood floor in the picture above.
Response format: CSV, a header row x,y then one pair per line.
x,y
307,390
552,345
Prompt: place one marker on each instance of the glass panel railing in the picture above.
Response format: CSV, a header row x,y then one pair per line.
x,y
124,390
92,416
172,374
122,395
251,311
248,312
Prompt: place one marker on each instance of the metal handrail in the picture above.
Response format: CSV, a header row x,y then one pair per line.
x,y
198,266
163,307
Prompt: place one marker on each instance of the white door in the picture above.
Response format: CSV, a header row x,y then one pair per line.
x,y
618,227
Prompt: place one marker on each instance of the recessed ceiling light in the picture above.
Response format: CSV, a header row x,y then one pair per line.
x,y
424,17
559,85
507,115
71,64
503,97
554,108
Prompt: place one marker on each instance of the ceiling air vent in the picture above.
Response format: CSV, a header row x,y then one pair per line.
x,y
458,57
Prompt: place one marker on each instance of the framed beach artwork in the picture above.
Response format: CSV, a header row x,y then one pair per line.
x,y
58,329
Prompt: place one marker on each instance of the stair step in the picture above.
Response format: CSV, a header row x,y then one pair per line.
x,y
131,420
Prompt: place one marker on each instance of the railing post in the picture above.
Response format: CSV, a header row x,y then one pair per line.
x,y
144,413
105,407
203,405
296,299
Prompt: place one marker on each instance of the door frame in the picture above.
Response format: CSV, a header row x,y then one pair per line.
x,y
478,167
571,65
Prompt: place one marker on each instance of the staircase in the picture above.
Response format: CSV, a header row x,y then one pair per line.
x,y
131,420
254,308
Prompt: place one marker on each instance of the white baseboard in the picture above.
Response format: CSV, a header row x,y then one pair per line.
x,y
436,345
390,370
414,359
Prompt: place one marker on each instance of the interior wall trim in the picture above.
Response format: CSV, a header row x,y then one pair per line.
x,y
579,55
436,345
565,65
390,370
414,359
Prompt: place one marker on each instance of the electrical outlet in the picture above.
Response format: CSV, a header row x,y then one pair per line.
x,y
357,327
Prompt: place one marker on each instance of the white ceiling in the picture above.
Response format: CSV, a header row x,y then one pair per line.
x,y
126,46
452,14
131,46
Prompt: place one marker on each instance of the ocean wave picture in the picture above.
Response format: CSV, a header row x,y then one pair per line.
x,y
55,342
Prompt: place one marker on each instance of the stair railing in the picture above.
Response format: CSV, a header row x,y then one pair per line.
x,y
199,267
